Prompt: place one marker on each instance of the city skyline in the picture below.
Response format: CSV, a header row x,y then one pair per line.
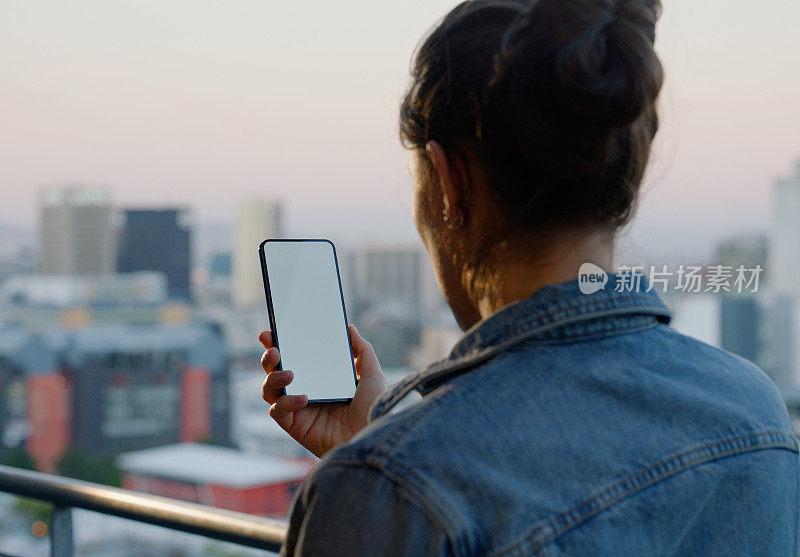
x,y
206,105
147,149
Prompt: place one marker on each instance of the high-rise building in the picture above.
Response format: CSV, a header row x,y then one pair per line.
x,y
394,292
395,275
740,319
256,220
157,240
784,282
740,326
784,262
76,236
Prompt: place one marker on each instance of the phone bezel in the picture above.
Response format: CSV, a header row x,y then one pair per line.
x,y
270,311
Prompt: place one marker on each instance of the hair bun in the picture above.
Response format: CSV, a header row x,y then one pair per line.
x,y
589,63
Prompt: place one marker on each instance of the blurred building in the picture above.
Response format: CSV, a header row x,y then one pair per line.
x,y
398,274
110,389
740,313
781,337
783,318
216,476
40,302
747,250
75,232
157,240
137,387
394,294
43,290
256,220
784,257
740,326
16,260
435,344
34,397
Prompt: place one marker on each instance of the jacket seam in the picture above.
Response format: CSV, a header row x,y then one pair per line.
x,y
590,336
544,534
408,491
487,353
594,313
577,310
380,453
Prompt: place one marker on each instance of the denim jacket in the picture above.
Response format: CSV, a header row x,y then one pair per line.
x,y
564,424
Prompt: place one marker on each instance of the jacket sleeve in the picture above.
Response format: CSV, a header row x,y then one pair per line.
x,y
356,510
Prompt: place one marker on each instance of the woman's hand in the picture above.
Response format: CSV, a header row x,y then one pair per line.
x,y
321,426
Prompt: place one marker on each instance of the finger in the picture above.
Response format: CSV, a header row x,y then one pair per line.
x,y
270,359
363,351
283,409
273,383
266,338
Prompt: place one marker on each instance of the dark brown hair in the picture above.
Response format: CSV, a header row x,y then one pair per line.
x,y
554,98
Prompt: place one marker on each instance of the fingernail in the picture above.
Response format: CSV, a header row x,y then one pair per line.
x,y
297,399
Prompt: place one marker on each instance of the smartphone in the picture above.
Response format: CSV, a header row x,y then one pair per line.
x,y
308,319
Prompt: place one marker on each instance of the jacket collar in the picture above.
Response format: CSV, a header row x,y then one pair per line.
x,y
554,312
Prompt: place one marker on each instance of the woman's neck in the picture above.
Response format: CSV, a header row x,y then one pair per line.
x,y
515,275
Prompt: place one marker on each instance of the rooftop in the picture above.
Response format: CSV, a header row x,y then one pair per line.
x,y
209,464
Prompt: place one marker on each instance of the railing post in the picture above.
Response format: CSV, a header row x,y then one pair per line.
x,y
61,542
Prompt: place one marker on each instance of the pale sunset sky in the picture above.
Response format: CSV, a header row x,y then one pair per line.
x,y
209,103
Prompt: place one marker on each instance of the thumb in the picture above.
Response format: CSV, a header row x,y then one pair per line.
x,y
364,353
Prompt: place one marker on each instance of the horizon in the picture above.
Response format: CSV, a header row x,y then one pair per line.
x,y
205,105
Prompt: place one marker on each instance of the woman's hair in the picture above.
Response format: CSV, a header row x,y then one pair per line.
x,y
555,99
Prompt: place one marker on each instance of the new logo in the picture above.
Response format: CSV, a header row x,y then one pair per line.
x,y
591,278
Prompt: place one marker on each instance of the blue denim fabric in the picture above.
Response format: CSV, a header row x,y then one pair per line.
x,y
564,424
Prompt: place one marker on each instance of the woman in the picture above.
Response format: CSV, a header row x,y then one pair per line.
x,y
561,422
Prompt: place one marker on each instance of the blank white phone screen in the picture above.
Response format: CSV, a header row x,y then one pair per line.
x,y
309,318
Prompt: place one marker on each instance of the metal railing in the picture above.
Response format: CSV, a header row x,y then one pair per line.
x,y
66,494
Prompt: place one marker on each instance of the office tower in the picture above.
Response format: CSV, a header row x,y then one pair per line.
x,y
394,294
389,274
76,237
783,323
397,275
739,327
784,268
256,220
157,240
740,319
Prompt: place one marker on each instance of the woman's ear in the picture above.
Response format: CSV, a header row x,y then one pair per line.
x,y
452,179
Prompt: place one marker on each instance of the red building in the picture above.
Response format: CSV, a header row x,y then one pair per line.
x,y
217,476
35,398
49,414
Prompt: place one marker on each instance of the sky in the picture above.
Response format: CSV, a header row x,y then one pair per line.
x,y
208,104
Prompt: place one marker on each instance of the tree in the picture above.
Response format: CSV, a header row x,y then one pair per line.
x,y
81,465
19,457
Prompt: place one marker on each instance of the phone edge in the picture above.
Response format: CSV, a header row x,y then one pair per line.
x,y
271,314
